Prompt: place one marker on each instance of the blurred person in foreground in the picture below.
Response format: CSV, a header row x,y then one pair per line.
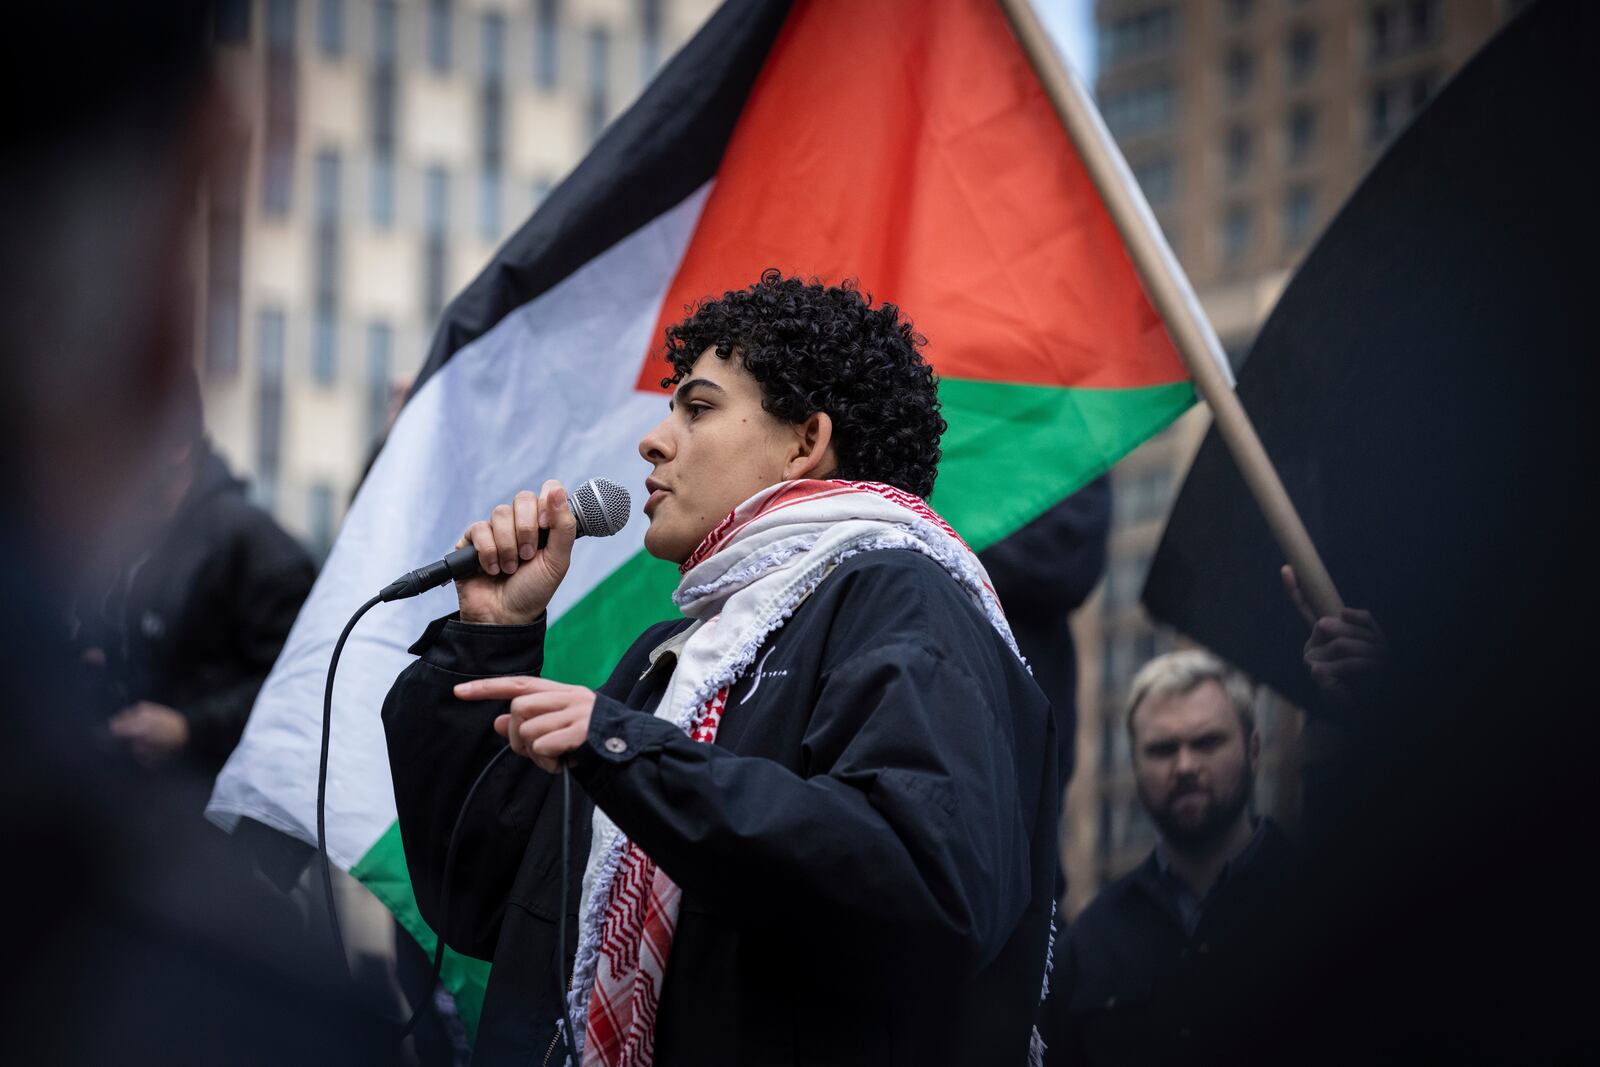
x,y
179,639
135,939
815,817
1155,968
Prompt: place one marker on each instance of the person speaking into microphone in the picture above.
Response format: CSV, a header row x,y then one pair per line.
x,y
814,818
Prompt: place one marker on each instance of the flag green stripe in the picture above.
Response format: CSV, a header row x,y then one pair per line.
x,y
1010,453
585,643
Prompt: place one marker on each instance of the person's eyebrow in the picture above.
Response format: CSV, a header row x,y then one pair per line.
x,y
694,384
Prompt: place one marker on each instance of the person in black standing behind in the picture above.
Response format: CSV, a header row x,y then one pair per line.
x,y
1160,965
1042,574
182,635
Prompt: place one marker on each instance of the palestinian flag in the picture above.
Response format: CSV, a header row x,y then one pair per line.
x,y
905,144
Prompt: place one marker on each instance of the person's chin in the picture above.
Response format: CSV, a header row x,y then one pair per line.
x,y
659,542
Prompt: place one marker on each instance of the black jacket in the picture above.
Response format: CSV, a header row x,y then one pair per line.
x,y
866,853
198,622
1130,987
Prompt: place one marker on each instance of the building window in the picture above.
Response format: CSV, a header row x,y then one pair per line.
x,y
1157,179
224,267
319,512
326,264
330,28
436,222
381,195
1141,109
494,46
546,29
1390,105
232,25
380,202
489,196
222,335
385,33
328,181
1396,27
1237,149
1301,53
280,25
1300,133
1238,73
1299,208
1124,579
436,200
1237,227
382,89
649,36
278,134
277,180
1140,34
380,372
324,347
492,123
439,36
269,401
598,102
325,268
1138,498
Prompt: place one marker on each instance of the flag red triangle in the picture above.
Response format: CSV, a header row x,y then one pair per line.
x,y
910,146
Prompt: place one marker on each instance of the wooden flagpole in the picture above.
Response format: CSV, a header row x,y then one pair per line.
x,y
1174,300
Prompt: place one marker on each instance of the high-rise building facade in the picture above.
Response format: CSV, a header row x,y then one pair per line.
x,y
1247,123
387,148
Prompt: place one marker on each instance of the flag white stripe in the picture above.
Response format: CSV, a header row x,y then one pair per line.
x,y
548,392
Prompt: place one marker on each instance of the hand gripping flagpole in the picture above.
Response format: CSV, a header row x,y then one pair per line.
x,y
1168,289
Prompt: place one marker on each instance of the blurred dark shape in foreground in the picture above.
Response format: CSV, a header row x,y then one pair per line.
x,y
135,937
1423,386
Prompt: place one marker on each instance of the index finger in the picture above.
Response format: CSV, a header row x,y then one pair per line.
x,y
503,688
1291,585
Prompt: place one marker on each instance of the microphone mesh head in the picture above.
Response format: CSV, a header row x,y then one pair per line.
x,y
602,507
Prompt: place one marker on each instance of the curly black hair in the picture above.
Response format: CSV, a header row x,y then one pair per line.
x,y
815,347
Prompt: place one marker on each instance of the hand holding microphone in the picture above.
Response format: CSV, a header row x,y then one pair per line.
x,y
508,566
517,575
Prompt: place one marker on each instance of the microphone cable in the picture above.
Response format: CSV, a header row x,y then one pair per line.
x,y
322,790
449,859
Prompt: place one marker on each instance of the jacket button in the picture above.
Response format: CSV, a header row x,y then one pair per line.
x,y
1185,1033
616,746
1111,1002
1204,948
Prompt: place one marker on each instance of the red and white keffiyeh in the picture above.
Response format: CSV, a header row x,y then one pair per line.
x,y
739,586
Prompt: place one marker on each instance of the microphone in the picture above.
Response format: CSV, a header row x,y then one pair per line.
x,y
600,505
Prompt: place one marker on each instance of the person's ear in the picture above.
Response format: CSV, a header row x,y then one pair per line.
x,y
1255,750
811,454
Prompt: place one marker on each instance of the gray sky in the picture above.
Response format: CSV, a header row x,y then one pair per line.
x,y
1071,23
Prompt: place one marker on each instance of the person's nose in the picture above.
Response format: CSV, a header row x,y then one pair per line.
x,y
1187,762
656,446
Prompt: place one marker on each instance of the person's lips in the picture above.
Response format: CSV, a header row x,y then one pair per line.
x,y
657,491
